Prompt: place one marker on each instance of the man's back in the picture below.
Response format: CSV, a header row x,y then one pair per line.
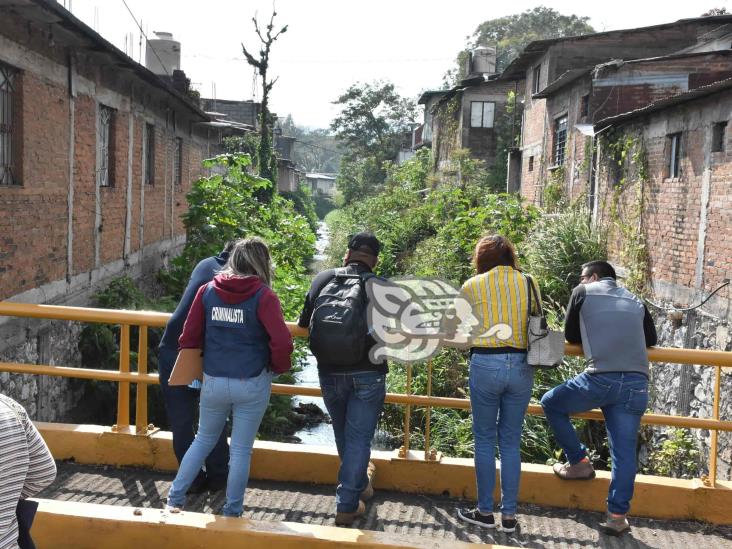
x,y
320,282
613,326
27,466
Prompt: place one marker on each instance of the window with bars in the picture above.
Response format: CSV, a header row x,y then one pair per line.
x,y
481,114
149,144
674,157
536,79
719,131
560,140
9,174
178,161
105,149
585,105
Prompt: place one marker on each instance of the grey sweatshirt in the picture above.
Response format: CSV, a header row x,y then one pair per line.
x,y
613,326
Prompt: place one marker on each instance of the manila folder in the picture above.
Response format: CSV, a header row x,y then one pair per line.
x,y
188,366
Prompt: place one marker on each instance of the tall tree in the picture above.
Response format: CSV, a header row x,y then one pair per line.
x,y
267,162
512,33
370,126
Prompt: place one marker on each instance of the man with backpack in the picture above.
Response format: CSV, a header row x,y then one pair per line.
x,y
353,387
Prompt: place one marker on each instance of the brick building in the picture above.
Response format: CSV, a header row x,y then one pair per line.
x,y
568,81
97,155
687,194
474,115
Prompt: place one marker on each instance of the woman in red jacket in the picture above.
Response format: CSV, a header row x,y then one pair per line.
x,y
237,320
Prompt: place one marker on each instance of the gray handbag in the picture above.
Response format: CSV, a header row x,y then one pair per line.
x,y
545,346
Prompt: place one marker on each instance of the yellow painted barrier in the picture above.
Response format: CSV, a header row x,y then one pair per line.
x,y
145,319
75,525
656,497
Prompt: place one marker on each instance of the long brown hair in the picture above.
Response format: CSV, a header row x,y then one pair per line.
x,y
494,250
250,256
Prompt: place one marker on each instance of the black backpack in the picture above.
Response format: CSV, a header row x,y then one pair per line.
x,y
338,326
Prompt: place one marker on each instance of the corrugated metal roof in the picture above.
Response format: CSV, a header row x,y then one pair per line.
x,y
674,100
73,26
517,68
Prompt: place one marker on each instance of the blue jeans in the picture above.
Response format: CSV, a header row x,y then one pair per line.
x,y
500,390
354,402
623,398
247,399
180,406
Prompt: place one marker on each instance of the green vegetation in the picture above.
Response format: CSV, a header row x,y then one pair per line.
x,y
99,348
429,223
677,456
370,126
267,162
316,150
221,208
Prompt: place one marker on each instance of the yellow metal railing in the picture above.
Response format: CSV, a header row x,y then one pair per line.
x,y
144,320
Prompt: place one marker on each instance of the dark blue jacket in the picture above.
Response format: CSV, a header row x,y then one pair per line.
x,y
236,344
202,274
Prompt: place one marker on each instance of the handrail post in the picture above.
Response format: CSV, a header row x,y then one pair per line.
x,y
123,391
141,426
715,432
404,450
428,455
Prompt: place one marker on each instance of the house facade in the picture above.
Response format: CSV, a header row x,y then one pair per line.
x,y
475,115
322,184
572,81
97,154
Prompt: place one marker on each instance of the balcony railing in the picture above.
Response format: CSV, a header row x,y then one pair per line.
x,y
143,320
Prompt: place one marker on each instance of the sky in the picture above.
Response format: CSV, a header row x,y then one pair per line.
x,y
332,44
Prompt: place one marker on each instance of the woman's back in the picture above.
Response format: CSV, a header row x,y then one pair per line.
x,y
500,296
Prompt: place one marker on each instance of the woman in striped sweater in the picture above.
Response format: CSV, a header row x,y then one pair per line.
x,y
500,378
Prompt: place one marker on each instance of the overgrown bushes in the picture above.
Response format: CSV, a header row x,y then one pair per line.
x,y
222,207
429,224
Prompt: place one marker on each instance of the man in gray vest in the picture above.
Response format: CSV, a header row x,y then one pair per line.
x,y
614,328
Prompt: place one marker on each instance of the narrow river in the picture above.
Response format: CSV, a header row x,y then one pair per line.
x,y
322,433
308,377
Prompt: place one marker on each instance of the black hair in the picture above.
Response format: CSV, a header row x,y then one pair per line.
x,y
602,269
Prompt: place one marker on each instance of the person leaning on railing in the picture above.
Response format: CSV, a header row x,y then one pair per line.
x,y
614,328
181,401
237,320
500,378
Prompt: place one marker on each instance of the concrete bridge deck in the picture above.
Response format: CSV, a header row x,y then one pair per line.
x,y
432,517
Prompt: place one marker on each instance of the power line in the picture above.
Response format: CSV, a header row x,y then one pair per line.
x,y
147,41
316,146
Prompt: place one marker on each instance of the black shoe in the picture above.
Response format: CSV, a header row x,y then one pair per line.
x,y
199,485
215,484
473,516
508,525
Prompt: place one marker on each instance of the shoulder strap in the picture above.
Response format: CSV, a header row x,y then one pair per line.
x,y
531,290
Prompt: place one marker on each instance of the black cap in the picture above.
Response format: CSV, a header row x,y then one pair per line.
x,y
365,242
